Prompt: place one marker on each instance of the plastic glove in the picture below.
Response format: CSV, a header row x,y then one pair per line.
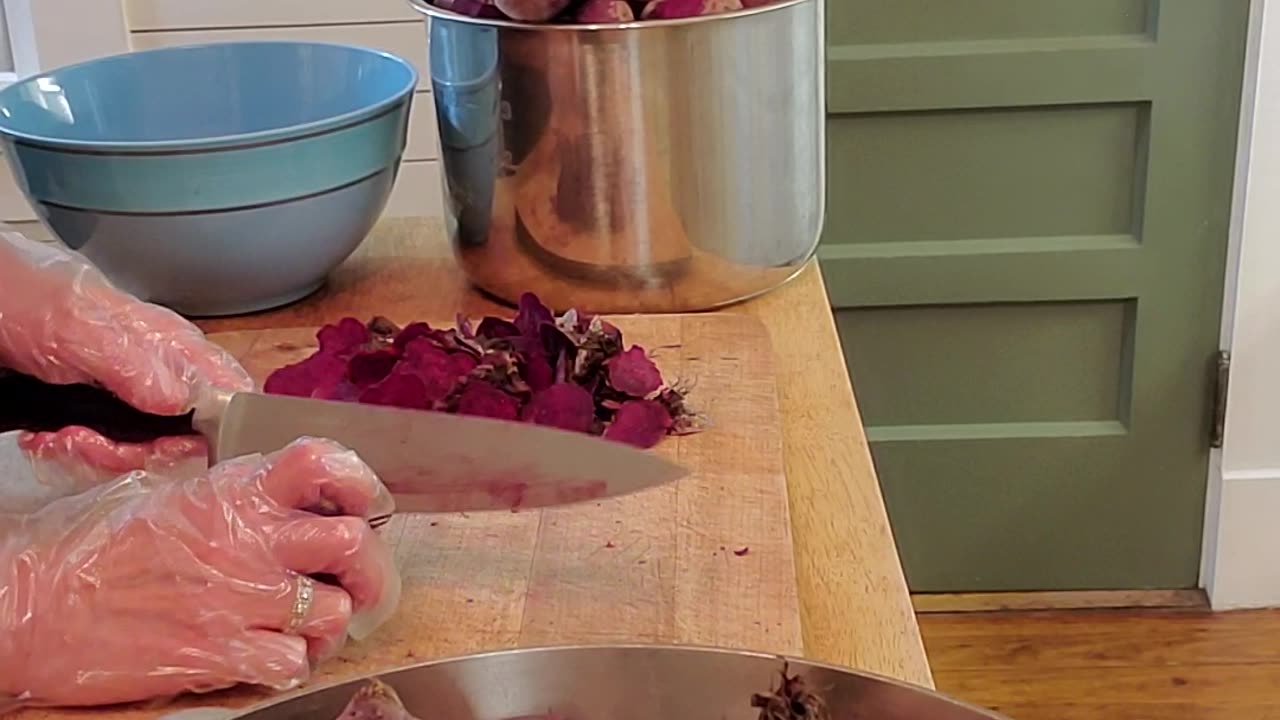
x,y
148,587
62,321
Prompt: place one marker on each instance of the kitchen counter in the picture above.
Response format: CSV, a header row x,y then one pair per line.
x,y
855,608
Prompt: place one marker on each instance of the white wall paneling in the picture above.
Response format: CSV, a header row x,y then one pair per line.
x,y
406,39
46,34
185,14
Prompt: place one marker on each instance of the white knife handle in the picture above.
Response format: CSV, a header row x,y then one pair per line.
x,y
208,416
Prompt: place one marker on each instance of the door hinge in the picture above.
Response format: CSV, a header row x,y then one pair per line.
x,y
1222,378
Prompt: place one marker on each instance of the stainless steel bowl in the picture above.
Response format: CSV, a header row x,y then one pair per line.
x,y
634,682
658,166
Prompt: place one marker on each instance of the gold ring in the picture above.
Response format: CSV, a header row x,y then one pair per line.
x,y
306,592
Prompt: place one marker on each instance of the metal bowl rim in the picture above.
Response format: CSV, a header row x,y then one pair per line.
x,y
572,648
426,8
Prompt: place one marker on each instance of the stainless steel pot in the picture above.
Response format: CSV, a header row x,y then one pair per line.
x,y
656,166
623,683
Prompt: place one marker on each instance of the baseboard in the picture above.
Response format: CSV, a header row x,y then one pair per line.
x,y
1058,600
1244,571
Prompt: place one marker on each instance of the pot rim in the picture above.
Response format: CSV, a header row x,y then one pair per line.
x,y
426,8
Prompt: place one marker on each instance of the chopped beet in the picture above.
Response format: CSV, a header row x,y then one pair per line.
x,y
563,406
633,373
673,9
531,10
367,368
302,379
604,11
538,372
791,701
532,315
568,372
343,338
642,423
462,364
411,332
471,8
436,368
402,388
740,552
492,328
484,400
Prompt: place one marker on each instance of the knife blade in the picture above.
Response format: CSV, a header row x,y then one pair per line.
x,y
431,462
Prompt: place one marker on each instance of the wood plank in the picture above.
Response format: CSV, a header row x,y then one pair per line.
x,y
406,39
1121,664
1057,600
1215,691
184,14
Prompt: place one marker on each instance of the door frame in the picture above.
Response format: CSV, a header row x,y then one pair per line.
x,y
1240,556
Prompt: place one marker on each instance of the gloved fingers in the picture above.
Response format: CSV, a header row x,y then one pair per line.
x,y
268,658
322,476
149,356
75,459
324,623
343,547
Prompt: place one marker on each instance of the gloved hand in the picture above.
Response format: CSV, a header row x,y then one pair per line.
x,y
62,321
149,587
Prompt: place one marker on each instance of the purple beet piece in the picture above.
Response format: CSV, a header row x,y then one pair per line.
x,y
492,328
642,423
531,10
343,338
435,367
412,332
633,373
604,11
471,8
369,367
537,371
461,364
674,9
484,400
307,377
563,406
532,315
402,388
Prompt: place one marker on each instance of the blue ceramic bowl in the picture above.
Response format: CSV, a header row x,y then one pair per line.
x,y
215,179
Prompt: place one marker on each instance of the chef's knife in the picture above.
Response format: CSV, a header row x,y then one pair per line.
x,y
431,462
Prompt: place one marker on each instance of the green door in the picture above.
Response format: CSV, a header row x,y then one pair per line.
x,y
1025,248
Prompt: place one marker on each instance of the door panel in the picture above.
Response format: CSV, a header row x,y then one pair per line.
x,y
1025,249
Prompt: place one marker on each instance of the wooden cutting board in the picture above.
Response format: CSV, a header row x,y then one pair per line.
x,y
706,561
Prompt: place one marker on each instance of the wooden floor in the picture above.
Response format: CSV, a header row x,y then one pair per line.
x,y
1110,664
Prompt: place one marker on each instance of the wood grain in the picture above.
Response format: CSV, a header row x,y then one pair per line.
x,y
1118,664
855,608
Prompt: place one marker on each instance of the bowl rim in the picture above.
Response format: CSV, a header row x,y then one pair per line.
x,y
431,11
231,141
